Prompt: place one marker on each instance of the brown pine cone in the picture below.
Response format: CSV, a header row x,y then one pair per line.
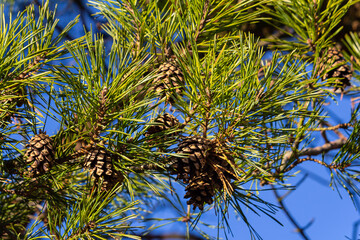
x,y
201,190
169,81
334,66
197,150
101,168
40,154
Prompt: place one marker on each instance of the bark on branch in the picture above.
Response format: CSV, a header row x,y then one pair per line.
x,y
312,151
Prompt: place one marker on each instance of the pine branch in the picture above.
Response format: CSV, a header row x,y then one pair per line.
x,y
330,166
82,230
332,128
336,144
337,127
240,116
203,20
30,69
146,167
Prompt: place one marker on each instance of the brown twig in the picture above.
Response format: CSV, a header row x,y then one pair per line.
x,y
330,166
312,151
289,155
207,114
324,133
336,130
331,128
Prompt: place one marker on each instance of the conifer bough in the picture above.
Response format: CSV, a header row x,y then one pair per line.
x,y
171,105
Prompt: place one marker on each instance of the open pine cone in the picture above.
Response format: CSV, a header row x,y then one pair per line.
x,y
169,81
197,150
101,168
214,177
40,154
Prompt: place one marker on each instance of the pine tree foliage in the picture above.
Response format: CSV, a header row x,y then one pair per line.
x,y
180,103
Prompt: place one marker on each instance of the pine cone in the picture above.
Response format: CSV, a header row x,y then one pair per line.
x,y
101,168
163,122
197,150
201,190
215,176
40,154
169,78
334,66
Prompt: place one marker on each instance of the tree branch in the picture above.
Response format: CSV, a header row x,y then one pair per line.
x,y
331,128
330,166
312,151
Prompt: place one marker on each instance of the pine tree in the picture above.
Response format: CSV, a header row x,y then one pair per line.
x,y
181,107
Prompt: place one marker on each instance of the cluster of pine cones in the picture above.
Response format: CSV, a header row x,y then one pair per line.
x,y
203,168
40,155
41,150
